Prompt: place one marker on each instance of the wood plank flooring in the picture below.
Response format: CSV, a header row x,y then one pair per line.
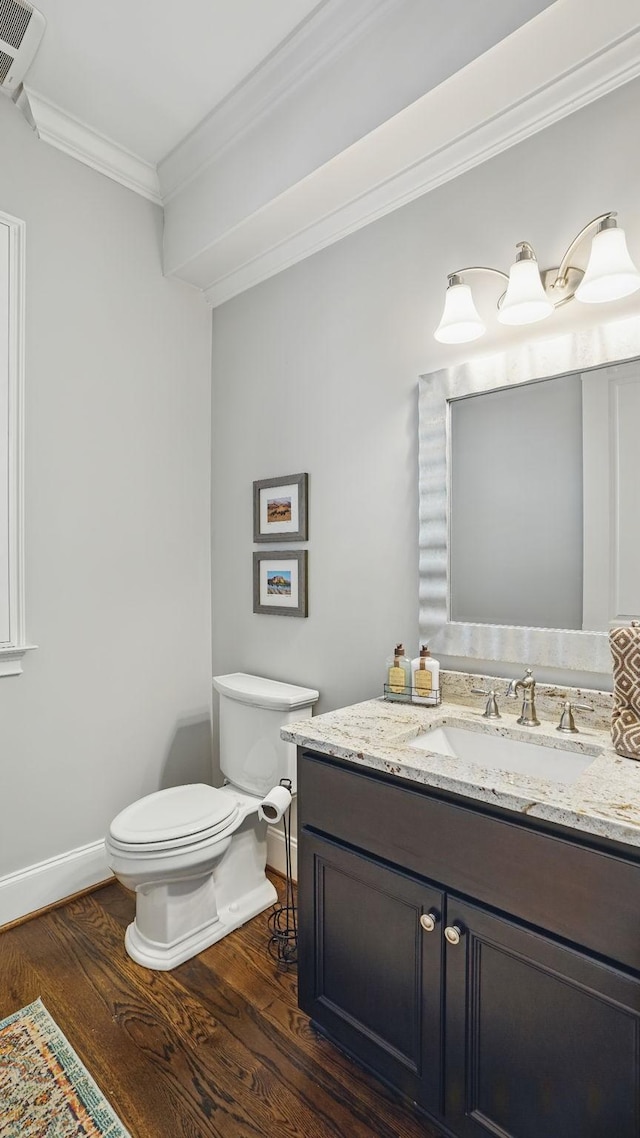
x,y
217,1047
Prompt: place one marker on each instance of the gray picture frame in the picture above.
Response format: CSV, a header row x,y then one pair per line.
x,y
261,530
279,607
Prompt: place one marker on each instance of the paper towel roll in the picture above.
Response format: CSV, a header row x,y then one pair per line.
x,y
274,804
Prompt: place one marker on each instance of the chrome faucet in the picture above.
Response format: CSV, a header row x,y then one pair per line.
x,y
527,684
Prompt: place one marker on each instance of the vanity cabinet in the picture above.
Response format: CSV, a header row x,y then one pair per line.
x,y
486,968
375,981
541,1039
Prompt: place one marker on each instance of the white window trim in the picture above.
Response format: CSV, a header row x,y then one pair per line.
x,y
12,421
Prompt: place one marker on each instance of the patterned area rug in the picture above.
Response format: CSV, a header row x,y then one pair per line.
x,y
45,1091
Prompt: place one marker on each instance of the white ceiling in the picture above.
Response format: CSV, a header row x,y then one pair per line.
x,y
144,73
269,129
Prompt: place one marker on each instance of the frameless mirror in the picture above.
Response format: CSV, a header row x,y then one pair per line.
x,y
529,549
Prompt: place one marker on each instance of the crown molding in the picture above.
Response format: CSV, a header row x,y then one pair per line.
x,y
73,137
564,59
327,33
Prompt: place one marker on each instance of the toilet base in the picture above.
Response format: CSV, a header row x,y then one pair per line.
x,y
163,957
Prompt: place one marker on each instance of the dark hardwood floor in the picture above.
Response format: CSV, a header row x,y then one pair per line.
x,y
216,1047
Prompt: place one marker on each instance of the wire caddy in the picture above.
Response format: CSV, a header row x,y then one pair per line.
x,y
412,695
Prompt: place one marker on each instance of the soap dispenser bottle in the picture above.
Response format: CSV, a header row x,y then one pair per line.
x,y
425,677
398,682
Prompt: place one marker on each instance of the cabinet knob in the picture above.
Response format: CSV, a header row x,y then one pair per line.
x,y
429,921
453,933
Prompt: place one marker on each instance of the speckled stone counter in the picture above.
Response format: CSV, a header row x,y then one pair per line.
x,y
604,801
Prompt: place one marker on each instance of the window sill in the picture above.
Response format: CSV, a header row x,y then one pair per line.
x,y
11,659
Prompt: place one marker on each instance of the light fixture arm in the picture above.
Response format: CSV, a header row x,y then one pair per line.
x,y
565,263
456,278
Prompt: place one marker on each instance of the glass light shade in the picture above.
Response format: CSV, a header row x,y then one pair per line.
x,y
611,274
525,300
460,321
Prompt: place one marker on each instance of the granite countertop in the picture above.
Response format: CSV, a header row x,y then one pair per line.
x,y
604,800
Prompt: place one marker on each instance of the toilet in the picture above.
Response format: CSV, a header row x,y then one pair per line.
x,y
195,855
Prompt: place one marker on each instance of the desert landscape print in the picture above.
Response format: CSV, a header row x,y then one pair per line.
x,y
279,583
278,510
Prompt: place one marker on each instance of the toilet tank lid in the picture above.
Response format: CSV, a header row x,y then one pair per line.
x,y
260,692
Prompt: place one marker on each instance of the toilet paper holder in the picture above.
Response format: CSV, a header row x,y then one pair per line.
x,y
275,803
283,925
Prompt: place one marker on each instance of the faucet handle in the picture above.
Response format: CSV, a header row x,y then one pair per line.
x,y
491,710
567,722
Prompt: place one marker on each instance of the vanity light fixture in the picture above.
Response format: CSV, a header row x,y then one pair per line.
x,y
532,295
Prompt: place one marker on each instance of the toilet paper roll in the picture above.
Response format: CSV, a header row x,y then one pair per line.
x,y
274,804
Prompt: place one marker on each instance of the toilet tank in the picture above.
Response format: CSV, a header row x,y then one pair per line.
x,y
253,757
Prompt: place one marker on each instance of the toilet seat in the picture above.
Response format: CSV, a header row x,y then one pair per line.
x,y
173,819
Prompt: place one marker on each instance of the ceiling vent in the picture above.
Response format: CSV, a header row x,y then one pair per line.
x,y
21,29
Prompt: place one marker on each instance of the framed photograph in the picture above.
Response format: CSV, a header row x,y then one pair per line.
x,y
280,508
280,582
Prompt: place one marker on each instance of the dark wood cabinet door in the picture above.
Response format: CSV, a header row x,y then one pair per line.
x,y
369,973
542,1041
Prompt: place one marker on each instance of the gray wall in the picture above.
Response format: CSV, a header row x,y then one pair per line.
x,y
317,370
116,700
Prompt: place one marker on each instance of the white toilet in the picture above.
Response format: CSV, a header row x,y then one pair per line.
x,y
195,855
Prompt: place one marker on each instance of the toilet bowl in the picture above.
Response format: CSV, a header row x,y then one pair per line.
x,y
195,855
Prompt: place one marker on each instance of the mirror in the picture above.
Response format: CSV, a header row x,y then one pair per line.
x,y
529,551
539,477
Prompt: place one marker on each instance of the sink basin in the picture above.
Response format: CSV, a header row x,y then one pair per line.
x,y
499,752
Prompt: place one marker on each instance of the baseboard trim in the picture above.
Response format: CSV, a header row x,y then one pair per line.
x,y
45,885
41,886
56,905
276,857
